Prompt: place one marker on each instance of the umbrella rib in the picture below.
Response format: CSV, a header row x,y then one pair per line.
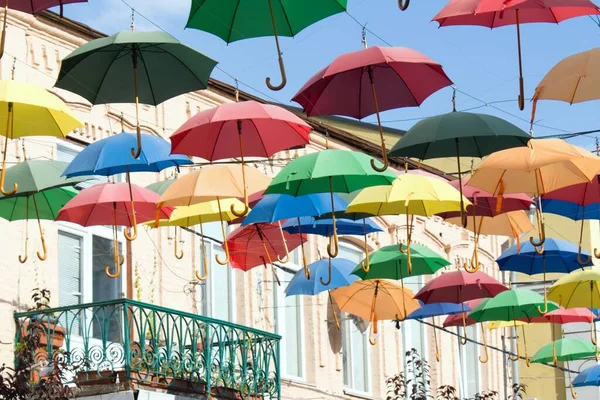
x,y
287,20
185,65
98,89
141,55
405,84
262,142
233,21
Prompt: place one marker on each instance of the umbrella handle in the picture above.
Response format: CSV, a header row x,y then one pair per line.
x,y
23,259
135,153
521,94
573,392
515,358
333,240
542,238
403,4
408,258
596,253
435,341
204,259
329,275
373,331
485,347
475,265
386,163
366,263
178,254
44,254
225,245
281,65
545,309
335,317
593,338
129,237
286,259
527,360
554,357
580,259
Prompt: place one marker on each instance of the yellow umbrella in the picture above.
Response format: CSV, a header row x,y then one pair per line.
x,y
412,195
213,183
504,324
30,110
574,79
544,165
375,300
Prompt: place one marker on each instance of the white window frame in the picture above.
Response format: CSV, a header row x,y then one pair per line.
x,y
280,327
407,333
462,356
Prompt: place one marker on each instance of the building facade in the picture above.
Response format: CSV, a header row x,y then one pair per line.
x,y
316,360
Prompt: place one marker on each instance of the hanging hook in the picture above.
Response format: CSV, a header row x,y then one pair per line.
x,y
246,208
9,128
225,244
281,65
325,283
204,257
332,247
286,259
364,36
454,105
403,4
485,347
178,254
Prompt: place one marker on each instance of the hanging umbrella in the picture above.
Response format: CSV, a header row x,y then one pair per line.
x,y
198,214
541,167
134,67
30,110
375,300
261,130
278,207
369,81
588,377
493,14
411,195
31,7
41,192
257,244
560,256
436,310
160,186
328,171
213,182
457,319
459,134
269,18
340,276
110,204
512,305
573,80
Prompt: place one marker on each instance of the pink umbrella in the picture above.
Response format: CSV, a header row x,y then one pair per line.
x,y
404,77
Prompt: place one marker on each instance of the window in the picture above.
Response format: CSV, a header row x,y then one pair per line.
x,y
66,152
355,348
288,315
469,363
414,333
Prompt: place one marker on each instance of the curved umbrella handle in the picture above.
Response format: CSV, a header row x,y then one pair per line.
x,y
403,4
485,347
596,252
573,392
554,357
335,317
246,208
366,263
542,238
593,338
285,259
23,259
225,245
135,153
463,339
383,149
386,162
333,240
521,94
42,256
329,277
408,258
373,332
205,260
283,74
178,254
580,259
116,273
128,236
515,358
435,341
545,309
527,360
3,172
475,265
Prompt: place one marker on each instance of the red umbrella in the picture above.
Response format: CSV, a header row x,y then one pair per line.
x,y
457,319
265,129
257,244
495,13
404,78
459,286
110,204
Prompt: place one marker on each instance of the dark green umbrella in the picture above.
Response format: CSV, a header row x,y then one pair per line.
x,y
459,134
134,67
42,190
328,171
244,19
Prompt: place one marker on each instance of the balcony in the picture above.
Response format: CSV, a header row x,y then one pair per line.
x,y
124,344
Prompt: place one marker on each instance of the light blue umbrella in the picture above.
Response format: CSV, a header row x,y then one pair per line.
x,y
324,227
588,377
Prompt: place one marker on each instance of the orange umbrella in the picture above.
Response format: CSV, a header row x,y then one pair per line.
x,y
214,182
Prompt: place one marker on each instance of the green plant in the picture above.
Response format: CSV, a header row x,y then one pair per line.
x,y
518,390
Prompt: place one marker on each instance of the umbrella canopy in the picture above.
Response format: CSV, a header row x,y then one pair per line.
x,y
458,287
457,319
570,315
49,202
160,187
588,377
34,176
573,211
272,18
438,309
111,156
577,202
390,263
511,305
277,207
37,6
340,276
368,81
258,244
325,227
265,128
513,224
564,350
200,213
578,289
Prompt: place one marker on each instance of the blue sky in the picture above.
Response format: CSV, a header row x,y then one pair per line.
x,y
481,62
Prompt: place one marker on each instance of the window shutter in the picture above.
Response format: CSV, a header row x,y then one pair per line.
x,y
69,263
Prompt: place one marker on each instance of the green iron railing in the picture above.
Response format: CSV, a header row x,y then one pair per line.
x,y
159,346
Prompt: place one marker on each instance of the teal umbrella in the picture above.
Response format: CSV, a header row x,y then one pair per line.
x,y
134,67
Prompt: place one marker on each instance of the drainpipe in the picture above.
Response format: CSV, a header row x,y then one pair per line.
x,y
515,364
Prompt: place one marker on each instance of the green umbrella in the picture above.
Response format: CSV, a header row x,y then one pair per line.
x,y
244,19
130,66
160,187
333,171
564,350
512,305
42,190
459,134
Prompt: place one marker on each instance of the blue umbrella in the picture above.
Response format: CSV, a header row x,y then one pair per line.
x,y
438,309
340,274
588,377
570,210
558,256
324,227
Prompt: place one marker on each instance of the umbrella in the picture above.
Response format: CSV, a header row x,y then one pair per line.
x,y
459,134
435,310
487,205
213,182
41,190
340,276
324,227
160,67
160,186
328,171
512,305
457,319
493,14
31,7
574,80
110,204
369,81
412,195
254,245
588,377
279,18
375,300
541,167
198,214
111,156
264,128
30,110
560,256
